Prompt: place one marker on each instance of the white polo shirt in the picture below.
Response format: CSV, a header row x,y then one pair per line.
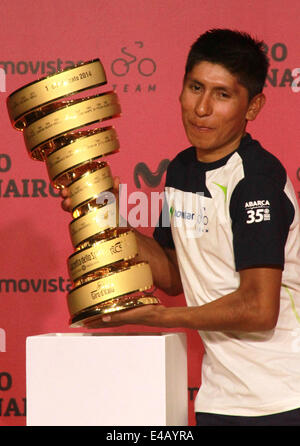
x,y
221,217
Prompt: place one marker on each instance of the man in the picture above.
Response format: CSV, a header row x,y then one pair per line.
x,y
232,245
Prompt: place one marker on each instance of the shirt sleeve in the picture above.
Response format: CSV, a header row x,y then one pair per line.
x,y
162,232
261,215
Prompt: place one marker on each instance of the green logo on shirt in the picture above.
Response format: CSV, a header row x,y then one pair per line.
x,y
224,189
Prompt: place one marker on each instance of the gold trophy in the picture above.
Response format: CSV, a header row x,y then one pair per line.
x,y
105,272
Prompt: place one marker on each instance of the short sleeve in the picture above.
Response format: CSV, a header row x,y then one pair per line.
x,y
162,232
261,215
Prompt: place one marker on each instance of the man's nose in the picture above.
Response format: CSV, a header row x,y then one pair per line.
x,y
203,106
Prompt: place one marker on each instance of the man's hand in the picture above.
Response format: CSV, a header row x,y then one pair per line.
x,y
150,315
66,203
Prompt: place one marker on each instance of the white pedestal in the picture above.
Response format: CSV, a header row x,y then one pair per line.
x,y
91,379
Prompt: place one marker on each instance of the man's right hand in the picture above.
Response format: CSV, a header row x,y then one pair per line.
x,y
66,203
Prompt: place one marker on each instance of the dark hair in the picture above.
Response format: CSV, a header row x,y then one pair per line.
x,y
238,52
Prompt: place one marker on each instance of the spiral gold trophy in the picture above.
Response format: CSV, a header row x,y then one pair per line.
x,y
104,269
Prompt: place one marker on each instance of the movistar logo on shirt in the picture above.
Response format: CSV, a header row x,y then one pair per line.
x,y
197,222
181,214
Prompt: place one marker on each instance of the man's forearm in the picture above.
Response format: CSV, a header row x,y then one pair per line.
x,y
254,306
163,264
229,313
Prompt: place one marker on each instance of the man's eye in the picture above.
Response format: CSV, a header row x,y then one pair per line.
x,y
195,87
224,94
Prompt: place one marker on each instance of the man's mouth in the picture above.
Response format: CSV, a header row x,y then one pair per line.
x,y
201,128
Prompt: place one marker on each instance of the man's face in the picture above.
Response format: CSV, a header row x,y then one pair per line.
x,y
215,109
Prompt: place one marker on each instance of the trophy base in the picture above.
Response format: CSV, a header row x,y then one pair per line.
x,y
90,315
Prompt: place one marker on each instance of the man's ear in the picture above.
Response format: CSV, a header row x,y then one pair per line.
x,y
255,106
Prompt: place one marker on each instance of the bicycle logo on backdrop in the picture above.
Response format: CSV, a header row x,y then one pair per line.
x,y
121,66
132,61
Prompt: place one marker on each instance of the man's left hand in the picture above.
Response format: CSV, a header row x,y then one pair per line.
x,y
151,315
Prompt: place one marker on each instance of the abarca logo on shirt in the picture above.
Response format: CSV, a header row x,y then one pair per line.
x,y
257,211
